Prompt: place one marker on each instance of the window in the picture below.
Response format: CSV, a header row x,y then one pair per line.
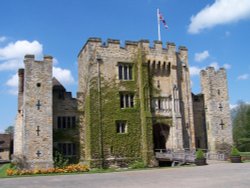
x,y
125,71
121,127
67,149
61,95
59,123
66,122
161,104
218,91
126,100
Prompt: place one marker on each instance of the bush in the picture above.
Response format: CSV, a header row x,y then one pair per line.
x,y
59,160
199,154
235,151
137,165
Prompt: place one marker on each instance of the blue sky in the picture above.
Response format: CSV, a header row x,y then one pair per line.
x,y
216,32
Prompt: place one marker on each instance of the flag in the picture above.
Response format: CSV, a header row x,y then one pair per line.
x,y
161,18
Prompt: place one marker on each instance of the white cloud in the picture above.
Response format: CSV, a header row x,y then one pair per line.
x,y
2,38
13,81
201,56
233,106
227,66
11,56
194,71
55,61
219,13
243,77
215,65
13,84
63,75
12,64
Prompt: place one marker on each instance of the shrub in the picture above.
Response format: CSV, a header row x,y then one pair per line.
x,y
59,160
137,165
235,151
199,154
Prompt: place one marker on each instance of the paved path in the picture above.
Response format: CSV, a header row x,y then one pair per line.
x,y
215,175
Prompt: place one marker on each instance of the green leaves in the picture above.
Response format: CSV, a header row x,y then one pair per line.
x,y
241,126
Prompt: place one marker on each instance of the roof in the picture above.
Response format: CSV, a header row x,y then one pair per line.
x,y
5,140
57,85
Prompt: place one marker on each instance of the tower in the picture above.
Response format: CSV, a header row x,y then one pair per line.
x,y
217,110
35,113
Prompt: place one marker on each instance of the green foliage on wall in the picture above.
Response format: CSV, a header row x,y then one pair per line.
x,y
102,110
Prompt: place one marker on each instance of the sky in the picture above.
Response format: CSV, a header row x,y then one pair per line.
x,y
216,33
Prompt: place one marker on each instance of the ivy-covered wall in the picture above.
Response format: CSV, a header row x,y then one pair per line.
x,y
102,110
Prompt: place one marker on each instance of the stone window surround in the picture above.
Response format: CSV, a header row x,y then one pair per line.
x,y
125,71
66,122
126,100
67,148
121,127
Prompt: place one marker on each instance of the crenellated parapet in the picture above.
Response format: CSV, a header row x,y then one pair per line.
x,y
158,46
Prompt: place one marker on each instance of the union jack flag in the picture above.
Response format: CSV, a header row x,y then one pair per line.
x,y
161,18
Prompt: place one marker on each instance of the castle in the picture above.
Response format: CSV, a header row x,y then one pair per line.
x,y
131,101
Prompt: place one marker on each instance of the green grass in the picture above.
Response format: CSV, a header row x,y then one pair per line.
x,y
3,170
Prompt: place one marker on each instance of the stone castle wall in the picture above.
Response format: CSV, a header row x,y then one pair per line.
x,y
96,57
36,126
218,117
162,101
65,107
199,121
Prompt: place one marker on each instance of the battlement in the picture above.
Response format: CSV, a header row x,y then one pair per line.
x,y
31,57
212,71
144,43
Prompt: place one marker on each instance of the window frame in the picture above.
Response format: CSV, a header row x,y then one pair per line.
x,y
67,149
125,71
121,126
127,100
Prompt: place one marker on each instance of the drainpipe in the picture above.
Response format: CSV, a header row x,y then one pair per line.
x,y
99,61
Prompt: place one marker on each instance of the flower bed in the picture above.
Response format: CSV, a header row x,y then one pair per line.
x,y
68,169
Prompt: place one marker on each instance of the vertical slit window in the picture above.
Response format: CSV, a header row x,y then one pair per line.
x,y
120,72
73,122
68,122
125,72
64,122
127,100
59,123
130,72
121,101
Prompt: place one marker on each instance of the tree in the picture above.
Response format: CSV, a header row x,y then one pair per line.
x,y
241,126
9,130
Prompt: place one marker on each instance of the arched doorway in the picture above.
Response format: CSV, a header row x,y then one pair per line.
x,y
161,134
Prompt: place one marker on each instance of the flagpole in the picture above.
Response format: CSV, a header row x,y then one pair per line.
x,y
159,27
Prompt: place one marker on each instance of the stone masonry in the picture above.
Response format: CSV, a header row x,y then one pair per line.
x,y
217,110
132,100
169,107
33,131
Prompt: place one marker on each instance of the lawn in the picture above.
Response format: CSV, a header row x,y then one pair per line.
x,y
3,170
